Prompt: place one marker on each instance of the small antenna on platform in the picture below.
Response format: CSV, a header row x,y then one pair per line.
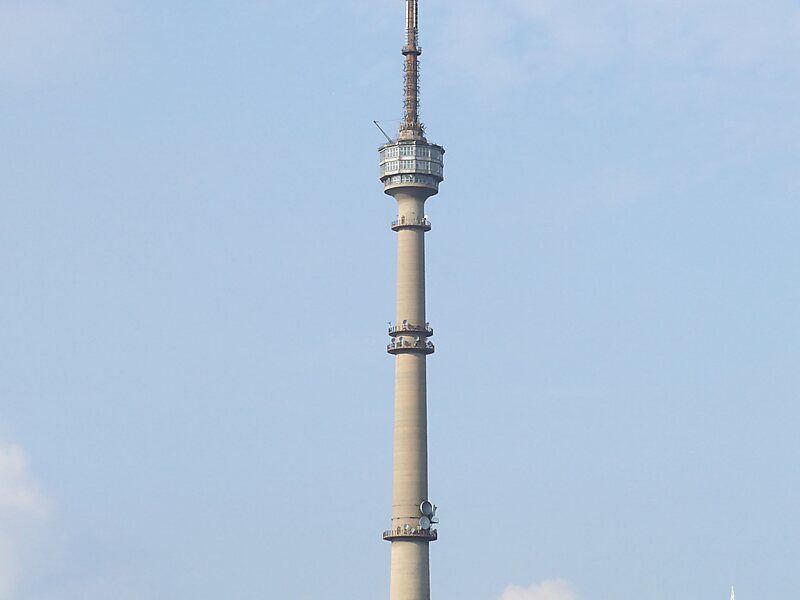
x,y
383,132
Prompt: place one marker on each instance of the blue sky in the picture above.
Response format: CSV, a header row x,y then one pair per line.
x,y
198,270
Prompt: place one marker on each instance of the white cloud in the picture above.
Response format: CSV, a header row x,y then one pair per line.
x,y
43,39
523,34
556,589
22,508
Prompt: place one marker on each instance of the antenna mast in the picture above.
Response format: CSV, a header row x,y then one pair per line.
x,y
411,128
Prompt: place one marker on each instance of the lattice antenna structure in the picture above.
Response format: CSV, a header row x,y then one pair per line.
x,y
411,128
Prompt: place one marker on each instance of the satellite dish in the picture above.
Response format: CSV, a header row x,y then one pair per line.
x,y
425,523
426,508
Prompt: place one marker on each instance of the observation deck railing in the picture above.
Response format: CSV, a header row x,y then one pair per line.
x,y
401,344
402,222
407,328
412,532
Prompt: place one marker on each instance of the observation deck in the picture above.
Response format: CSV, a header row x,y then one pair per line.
x,y
411,163
406,328
399,533
402,345
404,223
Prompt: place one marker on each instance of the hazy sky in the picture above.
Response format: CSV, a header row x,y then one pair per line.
x,y
197,272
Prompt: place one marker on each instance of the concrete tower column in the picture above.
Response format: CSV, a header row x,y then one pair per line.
x,y
410,578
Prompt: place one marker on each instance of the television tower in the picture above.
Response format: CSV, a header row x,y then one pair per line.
x,y
411,170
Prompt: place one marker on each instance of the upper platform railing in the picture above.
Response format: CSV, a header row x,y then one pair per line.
x,y
406,328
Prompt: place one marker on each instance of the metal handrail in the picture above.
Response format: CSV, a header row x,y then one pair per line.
x,y
402,222
394,330
403,344
431,534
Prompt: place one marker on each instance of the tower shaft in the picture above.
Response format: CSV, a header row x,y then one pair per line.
x,y
409,575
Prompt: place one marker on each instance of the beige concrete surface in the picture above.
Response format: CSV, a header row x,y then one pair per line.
x,y
410,578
